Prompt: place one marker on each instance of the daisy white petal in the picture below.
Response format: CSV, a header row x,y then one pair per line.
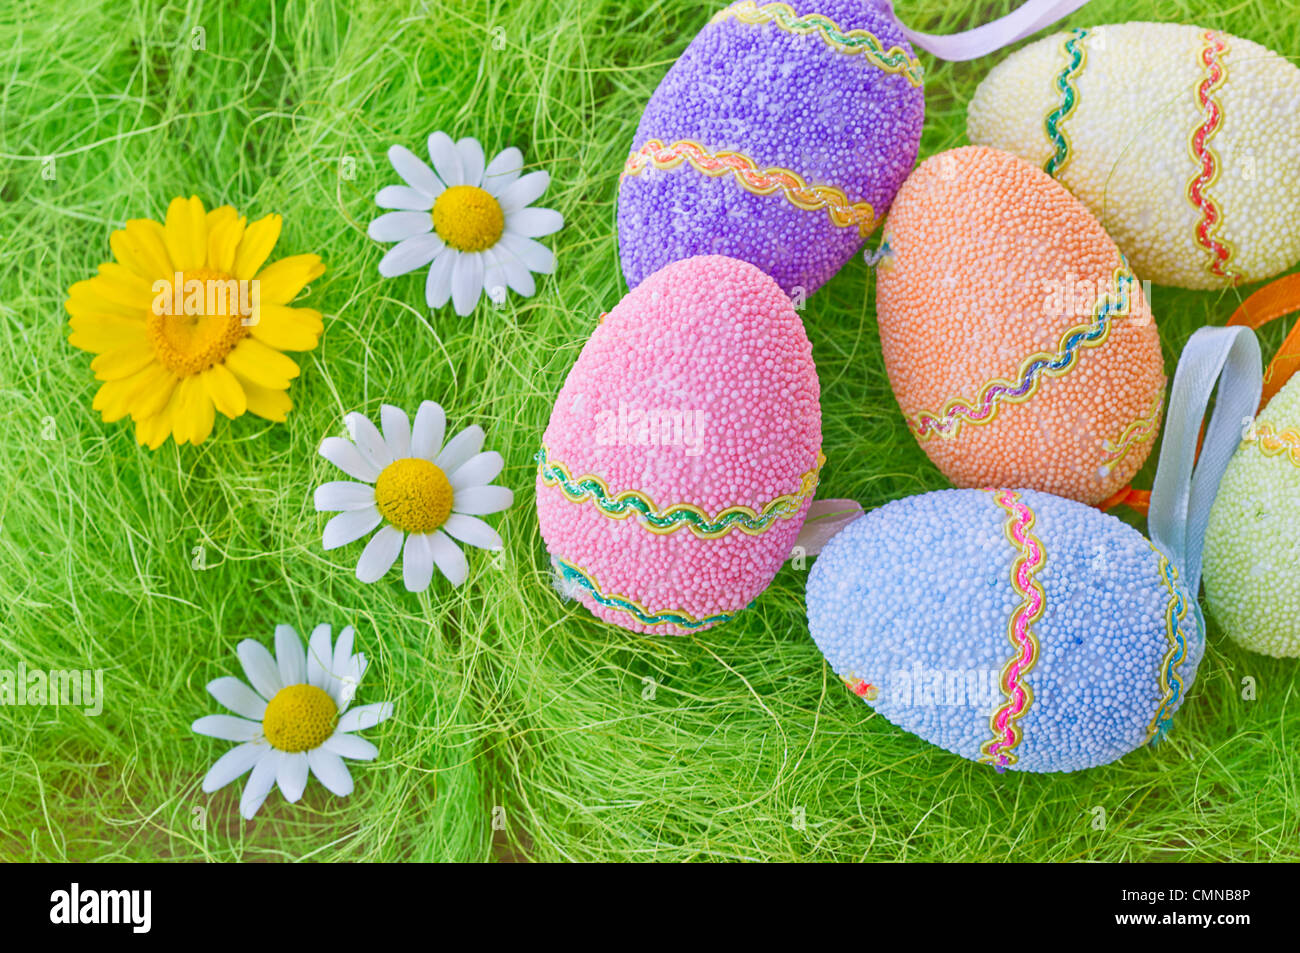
x,y
410,254
350,746
292,776
396,226
518,277
263,674
341,663
446,159
417,563
524,191
350,526
495,282
290,656
459,449
479,470
534,255
238,697
397,430
467,282
535,222
343,495
319,655
379,555
368,440
403,198
471,160
330,771
365,716
346,687
260,783
437,287
472,531
449,559
503,170
481,500
344,455
430,428
417,175
234,763
226,727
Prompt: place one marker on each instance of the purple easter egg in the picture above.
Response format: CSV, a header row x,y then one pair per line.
x,y
779,137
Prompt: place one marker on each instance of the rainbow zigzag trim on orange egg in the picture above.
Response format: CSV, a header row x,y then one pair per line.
x,y
575,575
850,42
1139,431
1207,161
1060,140
1171,683
748,175
947,422
1273,443
1003,723
668,519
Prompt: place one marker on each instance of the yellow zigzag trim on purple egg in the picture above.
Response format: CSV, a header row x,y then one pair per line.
x,y
1139,431
1171,683
1004,722
984,408
851,42
769,181
669,519
1273,443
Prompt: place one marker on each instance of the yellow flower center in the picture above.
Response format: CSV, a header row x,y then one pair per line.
x,y
413,495
468,218
299,718
195,327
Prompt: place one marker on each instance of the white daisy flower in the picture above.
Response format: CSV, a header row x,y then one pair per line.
x,y
295,718
426,494
469,221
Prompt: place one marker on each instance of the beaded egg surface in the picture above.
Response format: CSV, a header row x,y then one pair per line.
x,y
1185,142
779,137
1252,546
1013,628
1018,341
683,450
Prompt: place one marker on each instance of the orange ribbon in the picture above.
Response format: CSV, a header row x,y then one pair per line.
x,y
1139,500
1274,300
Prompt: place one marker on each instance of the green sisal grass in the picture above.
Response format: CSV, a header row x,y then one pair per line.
x,y
523,729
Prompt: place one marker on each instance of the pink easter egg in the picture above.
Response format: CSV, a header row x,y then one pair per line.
x,y
683,450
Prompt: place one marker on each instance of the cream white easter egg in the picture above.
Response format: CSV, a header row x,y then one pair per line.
x,y
1183,141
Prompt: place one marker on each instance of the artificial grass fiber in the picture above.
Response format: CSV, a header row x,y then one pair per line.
x,y
524,729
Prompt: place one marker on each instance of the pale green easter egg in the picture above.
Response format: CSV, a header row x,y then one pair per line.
x,y
1252,547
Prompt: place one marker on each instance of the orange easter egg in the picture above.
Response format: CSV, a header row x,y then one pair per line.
x,y
1019,343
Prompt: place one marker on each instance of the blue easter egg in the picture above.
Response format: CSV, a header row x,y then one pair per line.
x,y
1011,627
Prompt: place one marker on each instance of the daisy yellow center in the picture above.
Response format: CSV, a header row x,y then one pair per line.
x,y
299,718
413,495
187,340
468,219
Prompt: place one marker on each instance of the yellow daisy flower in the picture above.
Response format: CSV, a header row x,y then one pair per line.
x,y
190,319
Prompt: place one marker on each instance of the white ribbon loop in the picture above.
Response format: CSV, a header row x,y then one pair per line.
x,y
824,519
982,40
1185,487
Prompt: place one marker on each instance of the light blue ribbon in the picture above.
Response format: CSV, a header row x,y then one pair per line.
x,y
1185,487
982,40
